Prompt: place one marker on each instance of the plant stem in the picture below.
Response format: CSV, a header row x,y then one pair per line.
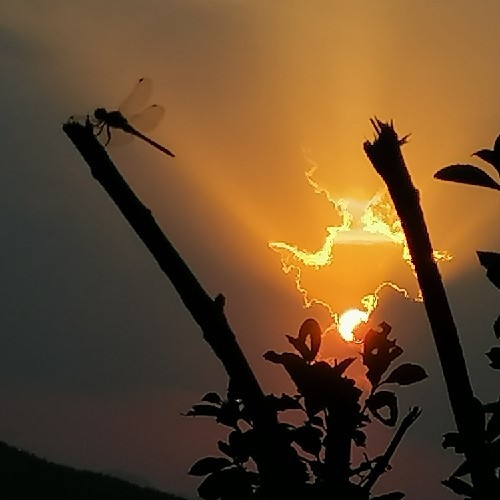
x,y
386,157
384,460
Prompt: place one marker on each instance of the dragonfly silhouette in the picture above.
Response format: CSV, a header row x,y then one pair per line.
x,y
103,120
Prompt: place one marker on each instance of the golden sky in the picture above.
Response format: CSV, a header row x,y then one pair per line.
x,y
254,91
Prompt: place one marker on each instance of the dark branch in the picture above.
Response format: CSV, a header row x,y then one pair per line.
x,y
274,456
386,157
383,461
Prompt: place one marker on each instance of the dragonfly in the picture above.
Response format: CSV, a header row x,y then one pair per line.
x,y
103,120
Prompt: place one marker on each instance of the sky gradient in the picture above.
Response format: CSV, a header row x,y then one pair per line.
x,y
98,358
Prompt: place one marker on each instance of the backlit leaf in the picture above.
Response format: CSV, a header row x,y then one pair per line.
x,y
309,329
225,448
379,352
284,402
493,426
203,410
380,400
467,174
406,374
229,413
207,465
341,367
210,488
242,444
493,451
233,482
359,438
308,438
494,355
453,440
462,469
212,397
492,156
491,261
458,486
317,421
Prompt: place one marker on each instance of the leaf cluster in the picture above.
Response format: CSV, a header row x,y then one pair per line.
x,y
329,402
470,174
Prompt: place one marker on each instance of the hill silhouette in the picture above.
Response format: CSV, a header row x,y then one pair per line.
x,y
26,476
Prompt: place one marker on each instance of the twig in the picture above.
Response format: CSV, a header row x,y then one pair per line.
x,y
384,460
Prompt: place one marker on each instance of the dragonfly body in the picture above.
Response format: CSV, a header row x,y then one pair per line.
x,y
114,119
103,120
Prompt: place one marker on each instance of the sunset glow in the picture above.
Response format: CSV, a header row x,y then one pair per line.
x,y
362,222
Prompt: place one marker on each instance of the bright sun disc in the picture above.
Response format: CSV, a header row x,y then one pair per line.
x,y
348,322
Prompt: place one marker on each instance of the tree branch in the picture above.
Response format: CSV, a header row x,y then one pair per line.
x,y
385,155
274,456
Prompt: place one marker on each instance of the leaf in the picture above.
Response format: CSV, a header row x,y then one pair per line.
x,y
359,438
229,414
225,448
242,444
207,465
227,483
491,156
284,402
395,495
458,486
466,174
462,469
496,328
203,410
212,397
210,487
309,329
406,374
493,451
491,261
379,352
341,367
317,421
380,400
309,438
494,355
296,367
493,426
453,440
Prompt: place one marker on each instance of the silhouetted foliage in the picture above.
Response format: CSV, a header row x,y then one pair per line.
x,y
24,476
331,405
469,174
265,457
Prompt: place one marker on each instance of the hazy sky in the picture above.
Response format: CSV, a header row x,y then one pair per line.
x,y
98,357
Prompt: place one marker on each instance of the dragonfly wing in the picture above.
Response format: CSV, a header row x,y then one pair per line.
x,y
148,119
138,98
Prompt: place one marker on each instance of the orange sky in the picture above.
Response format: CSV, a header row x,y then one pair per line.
x,y
253,90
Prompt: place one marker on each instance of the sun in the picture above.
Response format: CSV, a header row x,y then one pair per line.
x,y
349,321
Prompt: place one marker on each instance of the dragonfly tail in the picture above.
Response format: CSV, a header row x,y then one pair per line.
x,y
151,142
